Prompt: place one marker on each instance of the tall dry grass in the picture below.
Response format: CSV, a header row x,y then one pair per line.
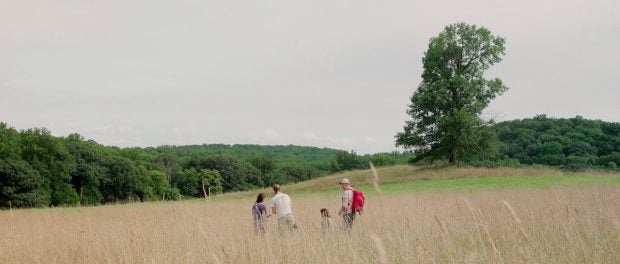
x,y
556,225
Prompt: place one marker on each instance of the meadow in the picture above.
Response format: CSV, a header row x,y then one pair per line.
x,y
439,215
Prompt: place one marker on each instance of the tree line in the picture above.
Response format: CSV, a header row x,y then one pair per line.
x,y
568,143
38,169
565,143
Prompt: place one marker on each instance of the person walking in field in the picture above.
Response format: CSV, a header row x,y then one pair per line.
x,y
348,215
259,213
326,221
281,206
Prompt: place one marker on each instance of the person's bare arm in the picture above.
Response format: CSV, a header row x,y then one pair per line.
x,y
342,210
273,210
265,213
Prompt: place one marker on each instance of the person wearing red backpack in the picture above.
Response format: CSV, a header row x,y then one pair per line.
x,y
346,210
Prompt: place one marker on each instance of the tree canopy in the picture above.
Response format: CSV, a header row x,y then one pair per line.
x,y
38,169
446,107
569,143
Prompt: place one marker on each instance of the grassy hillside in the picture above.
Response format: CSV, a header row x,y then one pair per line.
x,y
407,178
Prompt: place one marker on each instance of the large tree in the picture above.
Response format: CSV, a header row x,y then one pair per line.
x,y
446,107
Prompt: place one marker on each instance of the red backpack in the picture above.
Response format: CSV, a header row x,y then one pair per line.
x,y
358,201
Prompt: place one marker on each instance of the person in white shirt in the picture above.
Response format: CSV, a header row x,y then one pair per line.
x,y
347,199
281,207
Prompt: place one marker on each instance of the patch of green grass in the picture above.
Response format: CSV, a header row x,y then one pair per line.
x,y
500,182
406,178
490,182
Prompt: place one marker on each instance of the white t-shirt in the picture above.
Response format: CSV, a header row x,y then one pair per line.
x,y
282,203
347,199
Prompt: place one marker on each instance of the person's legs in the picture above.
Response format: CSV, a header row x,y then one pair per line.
x,y
262,227
290,220
348,220
286,222
282,222
256,226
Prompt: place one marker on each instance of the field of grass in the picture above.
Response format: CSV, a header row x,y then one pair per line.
x,y
427,216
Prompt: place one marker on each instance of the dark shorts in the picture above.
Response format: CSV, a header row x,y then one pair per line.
x,y
348,219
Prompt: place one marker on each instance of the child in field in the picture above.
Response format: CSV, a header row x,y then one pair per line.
x,y
259,213
326,222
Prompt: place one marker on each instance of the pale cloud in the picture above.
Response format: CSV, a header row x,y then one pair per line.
x,y
113,135
327,140
368,139
311,136
272,135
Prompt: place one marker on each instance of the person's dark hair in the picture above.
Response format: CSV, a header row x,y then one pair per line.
x,y
325,212
276,187
260,198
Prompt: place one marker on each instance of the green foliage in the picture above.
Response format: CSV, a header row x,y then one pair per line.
x,y
188,182
9,143
191,181
169,164
348,161
264,164
573,143
88,169
122,180
21,185
211,181
386,159
237,175
319,158
154,185
73,170
38,169
172,194
298,173
49,156
446,108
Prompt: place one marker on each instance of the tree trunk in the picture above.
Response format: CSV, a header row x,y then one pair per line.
x,y
204,191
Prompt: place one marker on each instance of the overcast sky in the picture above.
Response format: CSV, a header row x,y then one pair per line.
x,y
326,73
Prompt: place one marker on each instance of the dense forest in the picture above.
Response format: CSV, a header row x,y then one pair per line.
x,y
568,143
38,169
